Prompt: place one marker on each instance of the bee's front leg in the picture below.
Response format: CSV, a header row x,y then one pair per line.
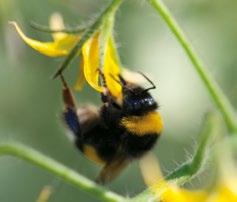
x,y
106,96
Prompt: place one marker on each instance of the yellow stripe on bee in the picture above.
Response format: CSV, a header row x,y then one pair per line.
x,y
91,154
142,125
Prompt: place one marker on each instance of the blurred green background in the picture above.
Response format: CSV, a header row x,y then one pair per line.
x,y
30,101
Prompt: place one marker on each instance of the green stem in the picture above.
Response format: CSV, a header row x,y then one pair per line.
x,y
68,175
191,168
114,5
214,90
106,30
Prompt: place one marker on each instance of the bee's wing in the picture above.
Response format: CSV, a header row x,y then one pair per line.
x,y
89,117
150,169
112,170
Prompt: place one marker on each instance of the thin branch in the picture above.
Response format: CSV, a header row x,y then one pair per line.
x,y
67,174
114,5
219,98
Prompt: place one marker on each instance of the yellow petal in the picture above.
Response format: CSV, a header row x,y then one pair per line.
x,y
62,40
150,169
90,52
194,195
173,194
111,67
56,23
52,49
80,79
170,192
45,194
67,42
181,195
225,192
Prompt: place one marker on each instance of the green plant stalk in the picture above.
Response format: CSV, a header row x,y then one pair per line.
x,y
191,168
114,5
145,196
214,90
106,30
67,174
107,33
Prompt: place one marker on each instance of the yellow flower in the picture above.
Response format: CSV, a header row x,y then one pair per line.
x,y
225,192
170,192
166,191
61,44
90,62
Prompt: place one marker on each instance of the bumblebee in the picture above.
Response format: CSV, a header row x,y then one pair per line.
x,y
119,131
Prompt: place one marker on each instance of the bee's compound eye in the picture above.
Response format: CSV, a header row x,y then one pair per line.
x,y
150,101
132,104
129,105
145,101
136,105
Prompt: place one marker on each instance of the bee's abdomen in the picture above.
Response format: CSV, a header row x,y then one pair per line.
x,y
99,143
150,123
135,146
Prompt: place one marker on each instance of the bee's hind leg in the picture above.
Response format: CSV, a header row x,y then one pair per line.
x,y
70,116
112,169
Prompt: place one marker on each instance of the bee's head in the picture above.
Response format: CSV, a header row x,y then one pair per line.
x,y
136,99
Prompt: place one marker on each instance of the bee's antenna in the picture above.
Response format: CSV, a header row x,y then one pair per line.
x,y
115,79
121,81
153,86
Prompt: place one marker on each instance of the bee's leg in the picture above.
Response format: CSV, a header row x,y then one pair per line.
x,y
150,169
111,170
106,96
70,112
